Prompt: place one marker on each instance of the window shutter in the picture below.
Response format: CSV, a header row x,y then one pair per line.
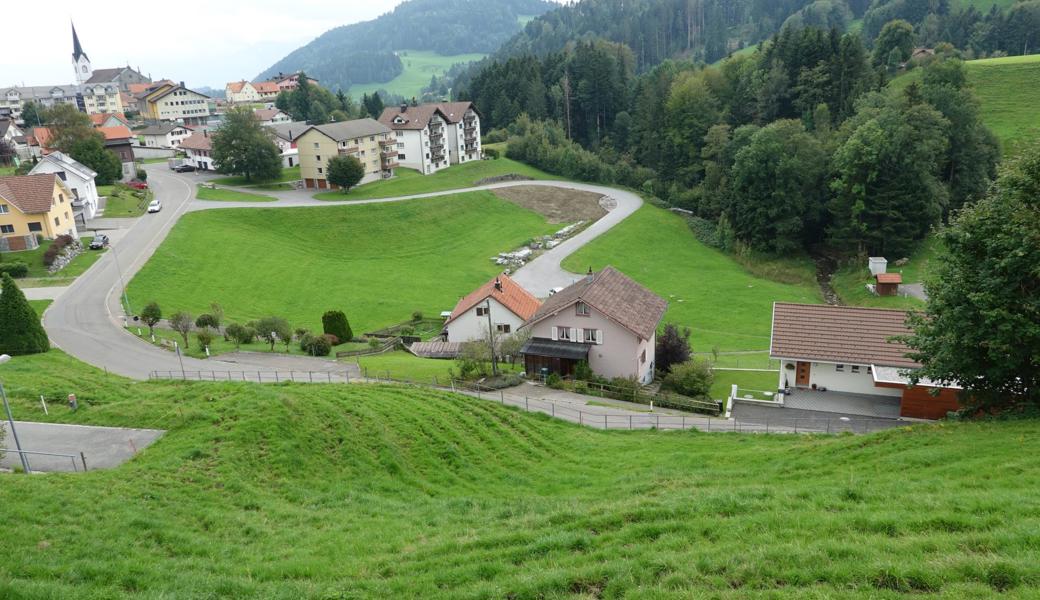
x,y
555,334
574,334
599,336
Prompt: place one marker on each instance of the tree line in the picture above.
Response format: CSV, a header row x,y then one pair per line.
x,y
798,144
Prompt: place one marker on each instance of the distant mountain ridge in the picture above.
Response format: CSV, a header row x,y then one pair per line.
x,y
444,26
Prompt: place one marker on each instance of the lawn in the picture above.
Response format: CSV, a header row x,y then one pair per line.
x,y
288,174
223,195
40,305
419,67
378,263
123,202
748,382
408,182
708,291
38,275
5,171
404,366
367,491
850,281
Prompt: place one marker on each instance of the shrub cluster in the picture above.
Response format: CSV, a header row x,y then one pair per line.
x,y
316,345
15,269
57,246
334,322
692,378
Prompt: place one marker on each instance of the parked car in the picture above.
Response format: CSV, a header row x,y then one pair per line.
x,y
138,185
185,169
155,206
100,241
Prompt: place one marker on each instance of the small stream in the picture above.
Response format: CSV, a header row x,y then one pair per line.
x,y
825,268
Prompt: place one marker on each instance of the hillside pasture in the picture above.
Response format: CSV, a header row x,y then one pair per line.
x,y
420,66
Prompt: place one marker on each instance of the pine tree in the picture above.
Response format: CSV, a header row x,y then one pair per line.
x,y
20,328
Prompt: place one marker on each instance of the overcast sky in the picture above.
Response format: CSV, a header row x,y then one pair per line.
x,y
202,44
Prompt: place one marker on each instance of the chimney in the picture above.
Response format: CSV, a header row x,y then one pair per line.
x,y
205,133
498,284
404,107
588,276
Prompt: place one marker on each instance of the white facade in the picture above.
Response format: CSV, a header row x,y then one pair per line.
x,y
201,159
836,377
245,92
171,139
464,139
78,178
473,324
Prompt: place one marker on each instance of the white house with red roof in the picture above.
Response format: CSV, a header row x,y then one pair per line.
x,y
198,147
500,303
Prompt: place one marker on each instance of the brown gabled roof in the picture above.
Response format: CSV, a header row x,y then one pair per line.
x,y
613,294
31,194
416,117
266,114
105,75
889,278
119,132
266,87
511,295
236,86
454,111
98,119
197,141
841,334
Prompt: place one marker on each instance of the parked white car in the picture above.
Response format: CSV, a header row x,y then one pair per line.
x,y
155,206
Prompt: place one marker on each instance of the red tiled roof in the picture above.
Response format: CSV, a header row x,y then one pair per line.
x,y
31,194
266,87
119,132
613,294
99,119
889,278
39,136
236,86
518,300
266,114
197,141
841,334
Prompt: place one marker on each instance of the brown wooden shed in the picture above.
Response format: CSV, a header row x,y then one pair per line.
x,y
888,283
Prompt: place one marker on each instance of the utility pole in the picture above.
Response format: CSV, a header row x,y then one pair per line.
x,y
10,420
491,338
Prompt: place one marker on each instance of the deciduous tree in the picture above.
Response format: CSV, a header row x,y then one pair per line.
x,y
241,146
182,322
673,347
345,171
151,314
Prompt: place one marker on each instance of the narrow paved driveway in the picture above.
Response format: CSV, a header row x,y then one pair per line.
x,y
86,320
102,447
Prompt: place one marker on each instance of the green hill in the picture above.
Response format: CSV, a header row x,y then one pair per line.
x,y
331,491
1008,89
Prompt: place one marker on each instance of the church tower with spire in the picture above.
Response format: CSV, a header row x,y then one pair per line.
x,y
80,60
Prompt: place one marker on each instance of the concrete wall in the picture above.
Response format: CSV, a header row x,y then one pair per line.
x,y
619,353
825,374
143,152
469,326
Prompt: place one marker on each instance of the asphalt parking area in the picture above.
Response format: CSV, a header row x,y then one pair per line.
x,y
101,447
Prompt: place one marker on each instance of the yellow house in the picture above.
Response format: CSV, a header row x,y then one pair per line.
x,y
33,205
368,140
102,98
171,102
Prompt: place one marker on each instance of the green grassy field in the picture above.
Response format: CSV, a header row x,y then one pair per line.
x,y
378,263
334,491
1007,89
419,67
707,291
38,275
850,281
223,195
5,171
408,182
405,366
40,305
122,203
982,6
288,174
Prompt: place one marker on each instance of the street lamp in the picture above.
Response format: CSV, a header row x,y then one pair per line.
x,y
10,421
122,282
177,347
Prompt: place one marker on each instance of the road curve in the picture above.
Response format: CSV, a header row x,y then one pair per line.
x,y
87,319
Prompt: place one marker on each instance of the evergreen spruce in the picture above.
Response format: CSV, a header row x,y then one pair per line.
x,y
20,328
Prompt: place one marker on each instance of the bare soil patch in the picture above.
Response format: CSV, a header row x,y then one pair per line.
x,y
558,205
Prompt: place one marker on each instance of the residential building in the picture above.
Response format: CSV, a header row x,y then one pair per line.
x,y
290,82
198,147
109,120
174,102
10,132
463,131
14,98
284,136
121,77
241,92
420,136
34,205
101,98
367,140
163,135
842,359
500,303
605,319
271,116
78,178
119,140
267,90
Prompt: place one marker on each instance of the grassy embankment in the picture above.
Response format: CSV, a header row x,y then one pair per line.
x,y
419,67
288,174
122,202
297,491
850,282
38,275
225,195
408,182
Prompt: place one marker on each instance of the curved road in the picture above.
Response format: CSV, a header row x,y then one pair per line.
x,y
86,320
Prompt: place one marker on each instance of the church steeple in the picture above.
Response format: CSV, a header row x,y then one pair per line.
x,y
80,60
77,49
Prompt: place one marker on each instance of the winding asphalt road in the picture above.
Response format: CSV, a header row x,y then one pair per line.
x,y
87,319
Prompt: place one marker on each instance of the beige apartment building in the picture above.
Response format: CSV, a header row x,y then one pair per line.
x,y
367,140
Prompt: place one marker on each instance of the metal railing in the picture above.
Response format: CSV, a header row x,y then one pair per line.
x,y
256,376
72,458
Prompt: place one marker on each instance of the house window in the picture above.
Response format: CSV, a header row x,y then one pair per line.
x,y
320,171
400,157
855,368
581,309
642,357
318,158
503,328
316,145
482,311
35,226
56,221
6,228
563,333
839,368
61,175
590,336
3,209
61,198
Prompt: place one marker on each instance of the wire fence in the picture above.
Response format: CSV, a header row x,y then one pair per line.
x,y
621,417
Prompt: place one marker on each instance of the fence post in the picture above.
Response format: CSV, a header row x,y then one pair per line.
x,y
581,418
604,421
502,397
276,380
658,421
453,385
83,458
684,422
552,407
796,425
527,407
828,426
630,422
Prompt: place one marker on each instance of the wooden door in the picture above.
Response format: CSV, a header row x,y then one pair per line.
x,y
802,373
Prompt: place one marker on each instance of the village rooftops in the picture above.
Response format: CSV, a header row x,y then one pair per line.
x,y
288,131
31,194
197,141
160,129
411,117
506,292
614,295
347,130
839,334
119,132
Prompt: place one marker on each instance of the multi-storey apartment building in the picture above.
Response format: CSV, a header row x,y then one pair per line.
x,y
174,102
367,140
432,137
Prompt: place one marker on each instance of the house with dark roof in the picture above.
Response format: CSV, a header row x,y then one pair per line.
x,y
163,135
174,102
367,140
605,319
34,205
501,305
431,137
845,359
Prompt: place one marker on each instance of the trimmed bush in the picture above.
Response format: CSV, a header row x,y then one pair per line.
x,y
142,175
204,337
335,341
21,332
492,153
554,381
417,316
335,323
316,345
16,269
240,334
207,321
692,378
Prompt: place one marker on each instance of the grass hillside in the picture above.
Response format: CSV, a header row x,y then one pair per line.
x,y
292,491
1007,89
709,292
420,67
377,262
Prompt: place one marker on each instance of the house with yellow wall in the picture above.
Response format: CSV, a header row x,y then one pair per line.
x,y
173,102
368,140
34,205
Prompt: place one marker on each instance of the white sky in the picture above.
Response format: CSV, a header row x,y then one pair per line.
x,y
203,43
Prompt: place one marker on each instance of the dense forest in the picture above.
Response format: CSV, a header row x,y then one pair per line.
x,y
795,147
364,52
